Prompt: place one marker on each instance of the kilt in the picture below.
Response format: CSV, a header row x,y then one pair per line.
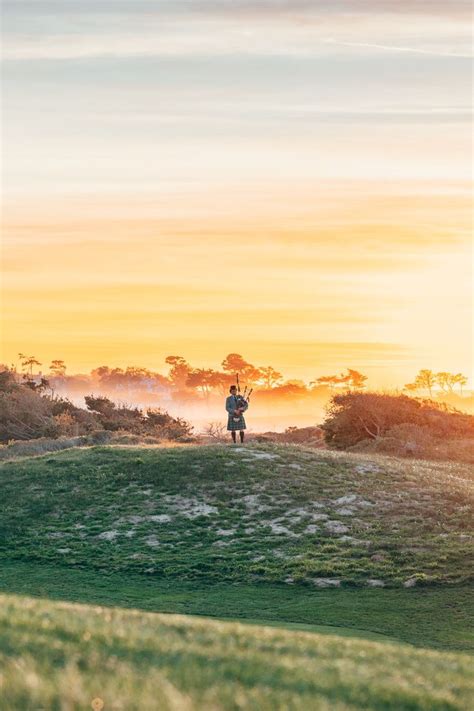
x,y
239,425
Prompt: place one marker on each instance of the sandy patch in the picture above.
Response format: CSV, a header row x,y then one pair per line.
x,y
225,531
345,511
336,527
152,541
259,455
190,507
253,504
348,499
280,554
367,469
159,518
108,535
280,530
326,582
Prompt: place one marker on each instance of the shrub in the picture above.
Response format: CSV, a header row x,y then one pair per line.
x,y
24,414
394,424
162,425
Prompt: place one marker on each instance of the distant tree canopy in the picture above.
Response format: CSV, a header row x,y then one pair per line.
x,y
352,380
185,382
270,377
27,363
427,380
57,368
129,377
179,371
235,363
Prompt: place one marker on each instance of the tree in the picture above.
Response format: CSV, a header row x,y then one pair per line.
x,y
270,377
461,380
100,372
425,380
355,379
234,363
447,381
58,368
202,379
328,380
221,381
27,363
352,380
179,371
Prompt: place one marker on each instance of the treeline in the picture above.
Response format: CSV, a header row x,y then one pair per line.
x,y
186,383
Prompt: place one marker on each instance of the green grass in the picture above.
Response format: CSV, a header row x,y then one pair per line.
x,y
275,514
439,617
370,555
59,656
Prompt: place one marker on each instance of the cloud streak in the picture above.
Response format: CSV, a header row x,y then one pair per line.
x,y
392,48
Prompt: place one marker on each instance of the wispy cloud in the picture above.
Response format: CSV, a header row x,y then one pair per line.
x,y
391,48
59,30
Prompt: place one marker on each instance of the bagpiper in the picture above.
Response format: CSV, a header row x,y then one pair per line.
x,y
236,404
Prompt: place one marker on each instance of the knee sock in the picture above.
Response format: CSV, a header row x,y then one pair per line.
x,y
241,436
233,437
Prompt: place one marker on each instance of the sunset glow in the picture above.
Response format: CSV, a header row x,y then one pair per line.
x,y
285,180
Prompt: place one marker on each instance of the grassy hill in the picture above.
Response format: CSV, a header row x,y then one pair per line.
x,y
262,514
62,656
351,556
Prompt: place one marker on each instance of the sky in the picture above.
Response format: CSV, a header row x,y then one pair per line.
x,y
286,180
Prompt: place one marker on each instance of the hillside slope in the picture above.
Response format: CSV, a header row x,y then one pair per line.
x,y
58,655
273,513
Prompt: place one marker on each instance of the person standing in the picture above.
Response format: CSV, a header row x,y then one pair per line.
x,y
235,407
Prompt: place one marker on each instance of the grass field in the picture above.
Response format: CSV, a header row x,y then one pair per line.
x,y
60,656
352,574
439,617
278,514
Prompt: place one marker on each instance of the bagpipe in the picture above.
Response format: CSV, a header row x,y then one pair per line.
x,y
242,399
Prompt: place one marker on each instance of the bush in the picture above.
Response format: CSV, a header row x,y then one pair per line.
x,y
162,425
27,413
24,414
394,424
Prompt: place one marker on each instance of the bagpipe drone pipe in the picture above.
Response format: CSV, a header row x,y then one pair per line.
x,y
242,398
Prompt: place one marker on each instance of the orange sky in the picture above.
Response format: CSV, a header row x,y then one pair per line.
x,y
310,280
285,180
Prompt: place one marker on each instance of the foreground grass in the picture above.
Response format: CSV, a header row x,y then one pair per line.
x,y
61,656
436,617
272,514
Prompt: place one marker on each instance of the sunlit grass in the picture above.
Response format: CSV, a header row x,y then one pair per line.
x,y
62,656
